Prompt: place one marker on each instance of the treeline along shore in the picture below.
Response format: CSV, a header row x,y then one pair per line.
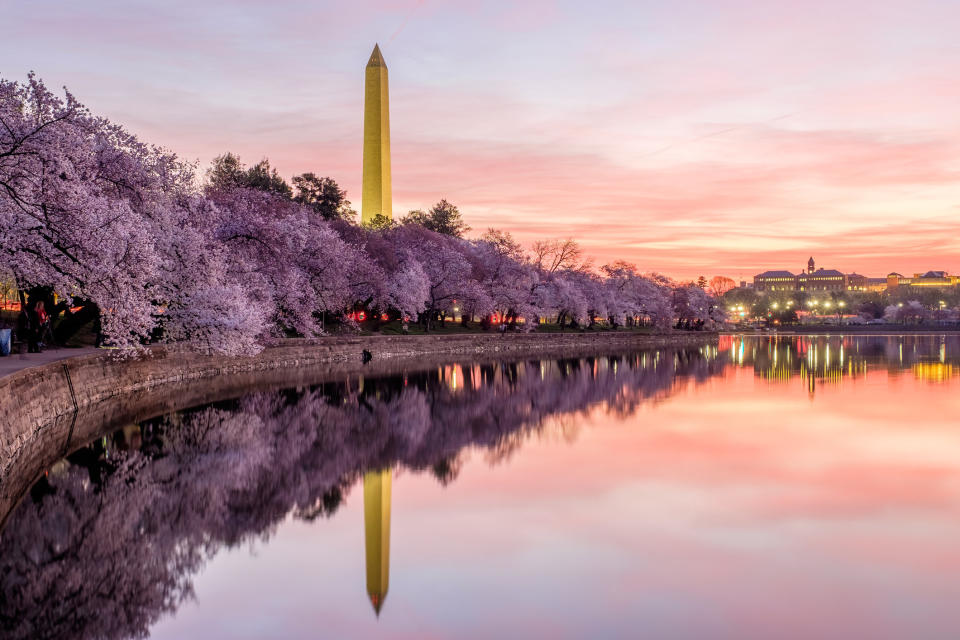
x,y
105,234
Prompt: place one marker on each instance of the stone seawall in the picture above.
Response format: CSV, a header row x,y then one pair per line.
x,y
35,396
49,410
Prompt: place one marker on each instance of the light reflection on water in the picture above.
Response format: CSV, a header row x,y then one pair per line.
x,y
761,487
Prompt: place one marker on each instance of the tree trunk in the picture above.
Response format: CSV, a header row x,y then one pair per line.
x,y
73,322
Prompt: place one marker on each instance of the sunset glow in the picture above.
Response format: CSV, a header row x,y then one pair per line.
x,y
700,138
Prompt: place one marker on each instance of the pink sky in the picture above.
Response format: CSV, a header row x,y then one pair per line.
x,y
722,137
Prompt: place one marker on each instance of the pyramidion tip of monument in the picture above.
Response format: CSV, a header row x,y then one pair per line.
x,y
376,58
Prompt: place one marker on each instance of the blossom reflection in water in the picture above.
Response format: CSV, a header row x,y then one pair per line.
x,y
706,492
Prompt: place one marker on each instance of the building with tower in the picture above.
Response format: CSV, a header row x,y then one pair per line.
x,y
822,280
813,280
810,279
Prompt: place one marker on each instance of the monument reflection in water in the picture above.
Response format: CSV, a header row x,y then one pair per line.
x,y
108,543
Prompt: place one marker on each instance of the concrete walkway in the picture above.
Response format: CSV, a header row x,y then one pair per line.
x,y
17,361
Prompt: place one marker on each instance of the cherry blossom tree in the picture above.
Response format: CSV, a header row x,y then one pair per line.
x,y
121,229
635,298
500,267
448,271
693,304
81,201
290,262
911,312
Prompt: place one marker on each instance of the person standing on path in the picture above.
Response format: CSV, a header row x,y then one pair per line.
x,y
27,329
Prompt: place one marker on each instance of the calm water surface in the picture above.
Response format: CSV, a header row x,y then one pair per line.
x,y
762,488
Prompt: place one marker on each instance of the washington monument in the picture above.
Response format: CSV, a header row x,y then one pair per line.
x,y
377,189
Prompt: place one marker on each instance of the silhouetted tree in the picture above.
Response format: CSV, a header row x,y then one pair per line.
x,y
443,218
228,171
324,196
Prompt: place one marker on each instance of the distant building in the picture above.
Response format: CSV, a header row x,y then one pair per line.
x,y
894,279
822,280
813,280
775,281
934,279
938,279
857,282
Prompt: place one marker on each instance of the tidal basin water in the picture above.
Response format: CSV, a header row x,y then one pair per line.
x,y
778,487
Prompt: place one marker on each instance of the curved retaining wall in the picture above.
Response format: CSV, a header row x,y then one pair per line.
x,y
35,396
49,410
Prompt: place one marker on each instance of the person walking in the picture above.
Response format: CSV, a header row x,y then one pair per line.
x,y
43,325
